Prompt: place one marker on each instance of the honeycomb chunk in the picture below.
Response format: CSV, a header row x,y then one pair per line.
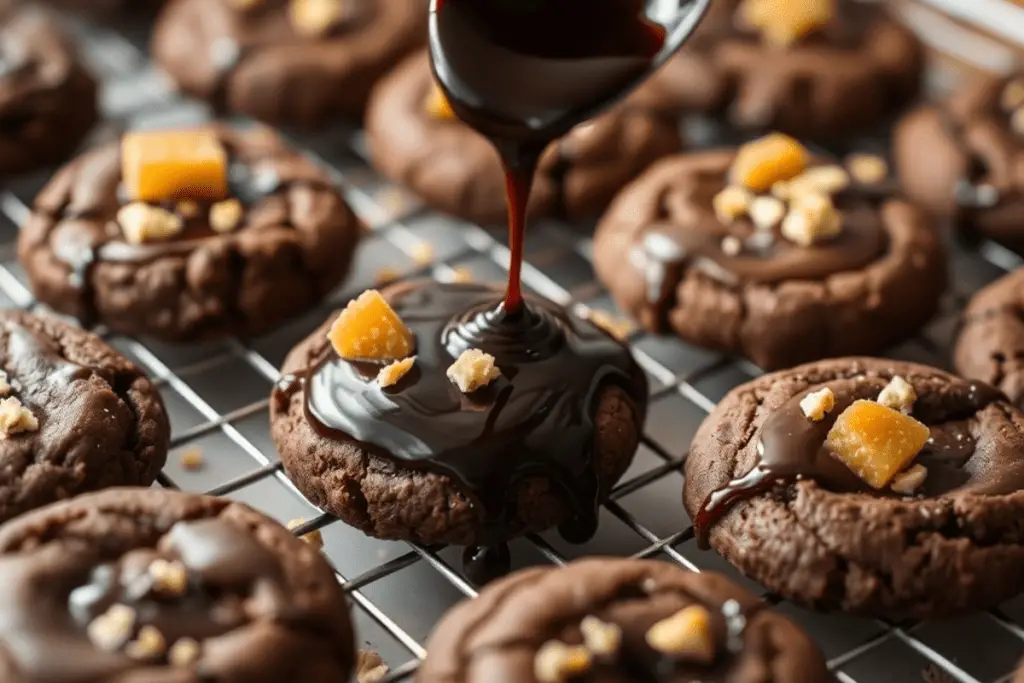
x,y
762,163
910,480
158,166
875,441
899,395
827,180
141,223
685,635
817,404
392,374
766,212
473,370
370,330
438,105
783,22
812,218
15,418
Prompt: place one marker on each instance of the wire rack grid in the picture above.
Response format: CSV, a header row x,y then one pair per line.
x,y
217,396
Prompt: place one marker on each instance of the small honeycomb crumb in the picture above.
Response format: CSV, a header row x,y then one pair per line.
x,y
620,328
685,635
817,404
112,629
473,370
369,329
314,538
143,223
898,395
170,578
184,164
423,254
812,218
910,480
762,163
184,652
826,180
556,662
731,246
783,22
438,105
1012,97
766,212
15,418
370,668
1017,121
875,441
731,204
867,169
386,275
187,208
600,637
226,215
462,274
314,18
192,460
390,375
149,644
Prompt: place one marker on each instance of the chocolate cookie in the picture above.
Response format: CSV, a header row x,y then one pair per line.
x,y
75,415
538,442
154,585
991,342
753,279
965,159
804,71
187,269
47,98
618,619
415,139
790,478
299,62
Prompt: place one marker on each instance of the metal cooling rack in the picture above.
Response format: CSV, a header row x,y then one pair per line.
x,y
217,396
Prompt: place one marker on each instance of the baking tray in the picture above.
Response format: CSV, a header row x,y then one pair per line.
x,y
217,396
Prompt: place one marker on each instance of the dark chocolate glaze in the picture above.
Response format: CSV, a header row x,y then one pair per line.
x,y
537,419
792,447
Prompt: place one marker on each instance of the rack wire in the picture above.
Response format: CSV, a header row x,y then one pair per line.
x,y
217,397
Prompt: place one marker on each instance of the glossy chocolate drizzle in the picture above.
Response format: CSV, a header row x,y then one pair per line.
x,y
537,419
791,447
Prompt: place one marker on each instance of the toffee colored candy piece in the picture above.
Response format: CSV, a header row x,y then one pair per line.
x,y
291,246
991,339
423,461
47,98
100,421
498,635
961,159
87,573
257,62
767,494
658,250
457,171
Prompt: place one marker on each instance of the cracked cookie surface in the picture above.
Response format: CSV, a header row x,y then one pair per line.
x,y
100,421
292,244
457,171
953,548
499,633
155,586
776,303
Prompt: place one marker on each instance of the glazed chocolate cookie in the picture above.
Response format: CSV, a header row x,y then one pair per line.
x,y
872,486
47,98
965,159
151,585
459,446
415,139
75,415
991,342
837,269
618,619
803,69
230,232
298,62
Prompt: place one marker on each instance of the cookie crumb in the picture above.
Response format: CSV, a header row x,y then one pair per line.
x,y
899,395
472,370
438,105
314,18
226,215
143,223
826,180
315,538
555,662
731,204
161,165
620,328
187,208
600,637
385,275
867,169
910,480
762,163
112,629
766,212
1012,97
192,460
16,418
731,245
148,644
170,578
370,668
423,254
812,218
392,374
817,404
184,652
686,635
369,329
875,441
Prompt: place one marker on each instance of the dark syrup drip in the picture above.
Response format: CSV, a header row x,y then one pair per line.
x,y
791,447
